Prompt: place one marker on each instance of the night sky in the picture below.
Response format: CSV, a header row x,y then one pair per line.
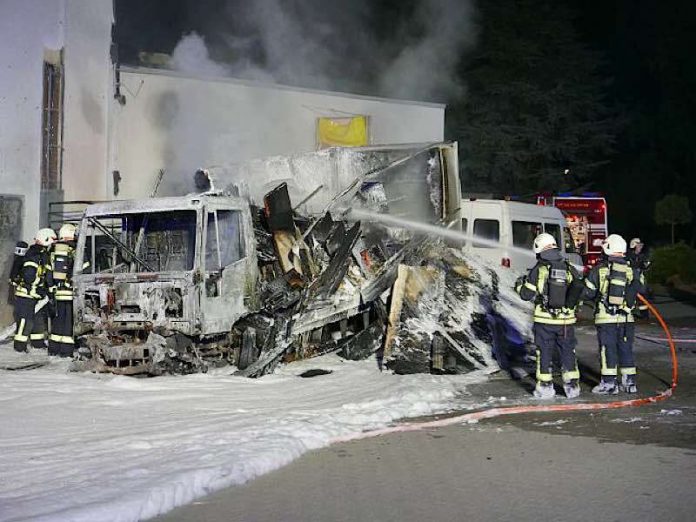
x,y
638,57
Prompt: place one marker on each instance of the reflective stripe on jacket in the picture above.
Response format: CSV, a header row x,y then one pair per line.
x,y
532,288
597,289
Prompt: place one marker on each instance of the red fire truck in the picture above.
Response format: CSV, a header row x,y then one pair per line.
x,y
586,216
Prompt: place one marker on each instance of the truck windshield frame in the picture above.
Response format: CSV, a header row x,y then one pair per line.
x,y
136,242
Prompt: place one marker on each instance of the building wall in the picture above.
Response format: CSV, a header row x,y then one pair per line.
x,y
179,124
28,28
30,31
88,93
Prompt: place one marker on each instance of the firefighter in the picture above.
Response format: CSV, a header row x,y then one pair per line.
x,y
555,287
60,341
31,292
639,259
613,285
638,255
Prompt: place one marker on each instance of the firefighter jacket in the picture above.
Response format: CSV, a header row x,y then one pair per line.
x,y
640,260
62,262
598,287
534,287
34,275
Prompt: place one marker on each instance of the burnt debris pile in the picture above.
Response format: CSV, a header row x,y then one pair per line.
x,y
327,285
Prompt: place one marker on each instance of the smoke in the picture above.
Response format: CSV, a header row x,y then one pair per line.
x,y
427,67
191,55
412,52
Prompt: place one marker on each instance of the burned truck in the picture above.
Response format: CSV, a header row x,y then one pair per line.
x,y
183,266
180,284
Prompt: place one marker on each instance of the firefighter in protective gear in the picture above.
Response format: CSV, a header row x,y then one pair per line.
x,y
555,288
31,292
613,286
637,255
61,341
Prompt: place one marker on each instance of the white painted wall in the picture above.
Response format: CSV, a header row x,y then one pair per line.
x,y
181,123
88,94
27,28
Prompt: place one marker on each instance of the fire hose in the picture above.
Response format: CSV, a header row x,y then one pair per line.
x,y
514,410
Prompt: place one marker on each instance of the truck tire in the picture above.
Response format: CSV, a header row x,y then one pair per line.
x,y
248,352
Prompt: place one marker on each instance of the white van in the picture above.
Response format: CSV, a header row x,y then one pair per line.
x,y
508,229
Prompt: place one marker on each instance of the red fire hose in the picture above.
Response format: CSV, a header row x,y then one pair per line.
x,y
513,410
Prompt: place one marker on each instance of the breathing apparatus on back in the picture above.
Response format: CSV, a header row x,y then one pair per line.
x,y
20,252
63,255
621,293
561,290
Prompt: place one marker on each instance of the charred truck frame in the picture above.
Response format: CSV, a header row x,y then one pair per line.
x,y
175,285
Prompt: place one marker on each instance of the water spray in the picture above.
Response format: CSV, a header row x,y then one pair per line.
x,y
426,228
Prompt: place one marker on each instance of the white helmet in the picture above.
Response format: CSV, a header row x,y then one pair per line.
x,y
614,245
544,242
635,242
45,237
67,232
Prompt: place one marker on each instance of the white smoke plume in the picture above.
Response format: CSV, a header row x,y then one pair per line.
x,y
322,45
191,55
427,67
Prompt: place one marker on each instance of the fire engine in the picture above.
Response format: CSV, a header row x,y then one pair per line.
x,y
586,216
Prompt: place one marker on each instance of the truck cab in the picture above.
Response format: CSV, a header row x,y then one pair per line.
x,y
181,264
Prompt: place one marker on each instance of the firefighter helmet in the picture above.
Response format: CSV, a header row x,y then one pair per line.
x,y
635,242
45,237
614,245
543,242
67,232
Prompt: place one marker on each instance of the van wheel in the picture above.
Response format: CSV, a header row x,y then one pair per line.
x,y
248,353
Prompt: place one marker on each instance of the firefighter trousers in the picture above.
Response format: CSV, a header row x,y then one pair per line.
x,y
39,332
61,341
24,319
550,337
616,349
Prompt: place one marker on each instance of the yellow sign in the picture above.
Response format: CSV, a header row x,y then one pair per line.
x,y
342,132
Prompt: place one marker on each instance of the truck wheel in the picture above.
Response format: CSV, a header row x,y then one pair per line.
x,y
248,353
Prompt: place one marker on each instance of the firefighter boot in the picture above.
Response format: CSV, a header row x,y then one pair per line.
x,y
572,388
607,386
628,384
544,390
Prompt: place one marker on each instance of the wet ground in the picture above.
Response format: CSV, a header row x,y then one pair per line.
x,y
628,464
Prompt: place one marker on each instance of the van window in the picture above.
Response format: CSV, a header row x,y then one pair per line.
x,y
487,229
524,232
465,225
555,231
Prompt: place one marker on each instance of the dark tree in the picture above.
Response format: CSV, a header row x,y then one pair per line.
x,y
534,105
673,210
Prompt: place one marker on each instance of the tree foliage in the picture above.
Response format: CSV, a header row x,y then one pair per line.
x,y
535,103
673,210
